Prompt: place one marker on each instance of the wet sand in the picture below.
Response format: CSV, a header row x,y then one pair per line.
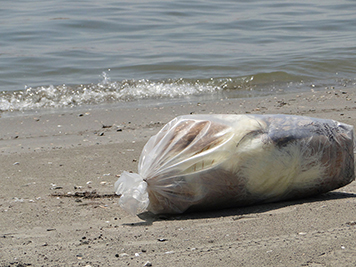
x,y
57,206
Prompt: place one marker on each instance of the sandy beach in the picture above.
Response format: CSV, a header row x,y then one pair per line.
x,y
57,206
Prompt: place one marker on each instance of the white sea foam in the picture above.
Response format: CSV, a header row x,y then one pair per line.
x,y
107,91
104,92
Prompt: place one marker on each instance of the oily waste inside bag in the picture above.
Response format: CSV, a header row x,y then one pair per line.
x,y
200,162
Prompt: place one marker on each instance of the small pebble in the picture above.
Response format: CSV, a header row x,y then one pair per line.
x,y
16,199
148,264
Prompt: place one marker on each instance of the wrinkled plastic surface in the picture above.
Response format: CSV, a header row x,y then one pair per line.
x,y
133,191
205,162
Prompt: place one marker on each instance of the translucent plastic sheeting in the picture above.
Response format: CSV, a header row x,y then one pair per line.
x,y
201,162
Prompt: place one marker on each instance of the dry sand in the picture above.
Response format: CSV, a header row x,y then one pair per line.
x,y
45,156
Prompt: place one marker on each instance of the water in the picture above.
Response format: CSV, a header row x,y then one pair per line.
x,y
72,53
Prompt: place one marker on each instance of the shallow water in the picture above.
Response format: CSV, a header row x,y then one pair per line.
x,y
65,53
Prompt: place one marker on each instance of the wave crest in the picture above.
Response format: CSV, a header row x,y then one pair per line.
x,y
107,91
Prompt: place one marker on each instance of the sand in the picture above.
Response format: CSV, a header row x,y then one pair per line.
x,y
57,206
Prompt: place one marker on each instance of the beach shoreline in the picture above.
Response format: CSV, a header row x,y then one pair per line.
x,y
47,157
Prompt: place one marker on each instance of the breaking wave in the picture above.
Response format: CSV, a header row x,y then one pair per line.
x,y
107,91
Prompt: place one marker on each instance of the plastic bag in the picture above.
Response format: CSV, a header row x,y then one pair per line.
x,y
200,162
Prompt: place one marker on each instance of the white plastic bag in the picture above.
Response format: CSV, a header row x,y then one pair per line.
x,y
217,161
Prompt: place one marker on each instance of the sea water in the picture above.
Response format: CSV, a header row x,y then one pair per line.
x,y
59,54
